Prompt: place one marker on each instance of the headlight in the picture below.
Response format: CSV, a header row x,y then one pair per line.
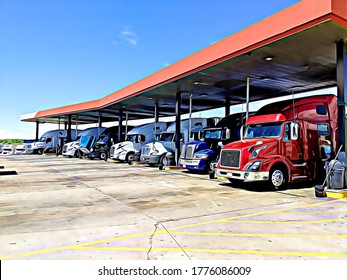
x,y
256,151
200,156
92,149
255,166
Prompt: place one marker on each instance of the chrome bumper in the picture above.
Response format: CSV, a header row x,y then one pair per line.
x,y
246,176
191,162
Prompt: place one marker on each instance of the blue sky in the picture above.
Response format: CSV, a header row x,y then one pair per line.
x,y
60,52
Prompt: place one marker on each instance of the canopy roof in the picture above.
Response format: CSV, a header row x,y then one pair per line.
x,y
293,50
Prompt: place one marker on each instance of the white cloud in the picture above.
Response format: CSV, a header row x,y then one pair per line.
x,y
128,36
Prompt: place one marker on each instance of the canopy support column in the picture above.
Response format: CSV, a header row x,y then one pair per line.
x,y
156,118
341,81
247,98
68,133
120,126
227,106
99,124
37,130
178,127
190,114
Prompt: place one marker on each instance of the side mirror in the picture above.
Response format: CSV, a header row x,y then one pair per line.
x,y
227,133
242,131
294,131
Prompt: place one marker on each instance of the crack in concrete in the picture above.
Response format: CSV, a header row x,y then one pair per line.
x,y
151,240
151,237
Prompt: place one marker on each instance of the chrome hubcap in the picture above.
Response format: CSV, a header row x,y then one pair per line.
x,y
277,178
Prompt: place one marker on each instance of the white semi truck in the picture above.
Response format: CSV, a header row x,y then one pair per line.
x,y
24,148
162,152
7,149
85,139
135,140
49,140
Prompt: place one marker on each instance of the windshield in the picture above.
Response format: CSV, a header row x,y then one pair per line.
x,y
135,138
213,134
263,130
42,139
166,137
103,138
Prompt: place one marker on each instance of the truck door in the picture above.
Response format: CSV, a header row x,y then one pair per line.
x,y
292,148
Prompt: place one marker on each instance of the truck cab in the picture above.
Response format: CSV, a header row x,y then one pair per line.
x,y
162,152
49,141
7,149
24,148
284,142
101,147
198,155
135,140
85,139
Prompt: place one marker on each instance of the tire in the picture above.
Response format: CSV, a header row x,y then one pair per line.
x,y
130,158
162,162
103,156
40,151
211,175
277,178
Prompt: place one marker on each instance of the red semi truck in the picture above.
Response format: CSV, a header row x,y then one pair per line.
x,y
284,142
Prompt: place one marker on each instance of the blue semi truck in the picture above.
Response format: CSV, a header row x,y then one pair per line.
x,y
198,155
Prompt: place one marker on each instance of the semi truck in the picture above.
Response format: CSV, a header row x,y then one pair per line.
x,y
49,141
135,140
85,139
286,141
100,148
24,148
8,150
162,152
198,155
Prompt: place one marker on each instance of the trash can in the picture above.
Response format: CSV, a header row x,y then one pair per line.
x,y
336,178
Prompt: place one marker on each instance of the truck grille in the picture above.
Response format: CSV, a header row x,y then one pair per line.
x,y
112,150
64,148
230,158
183,151
190,151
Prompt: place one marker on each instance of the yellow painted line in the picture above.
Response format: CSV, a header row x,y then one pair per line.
x,y
313,213
255,214
48,250
256,234
287,222
70,247
216,251
171,229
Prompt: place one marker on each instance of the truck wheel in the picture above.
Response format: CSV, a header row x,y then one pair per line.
x,y
40,151
211,175
277,178
162,162
130,158
103,156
